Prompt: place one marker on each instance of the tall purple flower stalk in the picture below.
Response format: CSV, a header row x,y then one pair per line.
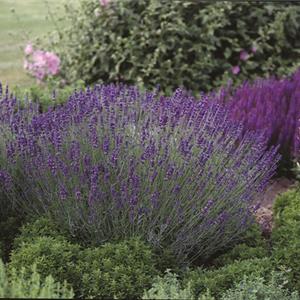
x,y
271,107
115,162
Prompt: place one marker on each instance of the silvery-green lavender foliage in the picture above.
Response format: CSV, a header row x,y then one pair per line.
x,y
169,287
17,285
258,288
114,162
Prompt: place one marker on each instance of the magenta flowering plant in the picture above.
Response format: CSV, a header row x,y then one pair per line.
x,y
115,162
270,106
40,64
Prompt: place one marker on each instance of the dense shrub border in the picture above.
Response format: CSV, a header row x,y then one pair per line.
x,y
198,45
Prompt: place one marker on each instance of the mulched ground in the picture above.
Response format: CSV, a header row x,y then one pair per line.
x,y
264,214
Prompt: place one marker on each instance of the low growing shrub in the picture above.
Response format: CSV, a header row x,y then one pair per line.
x,y
251,245
121,270
198,45
258,288
18,284
56,257
169,287
217,281
287,208
114,162
42,227
286,235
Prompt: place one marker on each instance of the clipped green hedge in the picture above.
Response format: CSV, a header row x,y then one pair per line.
x,y
41,227
51,256
194,44
121,270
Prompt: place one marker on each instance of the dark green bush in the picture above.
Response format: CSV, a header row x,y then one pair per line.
x,y
120,270
286,234
51,256
194,44
251,245
217,281
10,227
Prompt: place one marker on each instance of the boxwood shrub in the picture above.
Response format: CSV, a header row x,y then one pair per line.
x,y
217,281
51,256
121,270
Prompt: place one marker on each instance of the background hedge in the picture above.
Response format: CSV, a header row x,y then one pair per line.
x,y
194,44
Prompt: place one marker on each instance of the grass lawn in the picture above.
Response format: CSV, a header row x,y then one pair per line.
x,y
28,21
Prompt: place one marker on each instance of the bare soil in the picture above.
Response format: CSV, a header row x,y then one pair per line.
x,y
264,214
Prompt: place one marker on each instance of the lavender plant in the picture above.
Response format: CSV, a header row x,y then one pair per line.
x,y
114,162
270,106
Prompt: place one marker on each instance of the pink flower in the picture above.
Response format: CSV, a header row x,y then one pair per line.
x,y
97,12
28,49
53,62
39,59
41,63
235,70
253,49
244,55
104,2
39,74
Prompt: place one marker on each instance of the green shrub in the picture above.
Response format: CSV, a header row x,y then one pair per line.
x,y
289,256
120,270
51,256
286,235
241,252
252,245
287,208
258,289
169,287
166,43
217,281
19,285
49,95
41,227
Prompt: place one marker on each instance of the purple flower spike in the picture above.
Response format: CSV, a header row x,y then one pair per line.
x,y
235,70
